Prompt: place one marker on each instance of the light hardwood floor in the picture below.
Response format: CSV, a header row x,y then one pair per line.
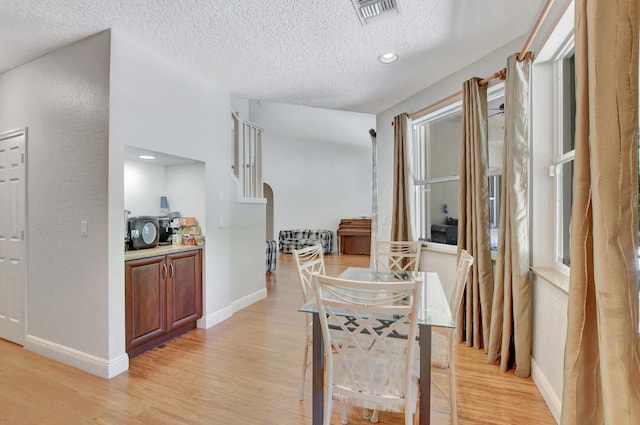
x,y
245,370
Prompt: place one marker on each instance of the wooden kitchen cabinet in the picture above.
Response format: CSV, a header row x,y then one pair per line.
x,y
184,289
163,298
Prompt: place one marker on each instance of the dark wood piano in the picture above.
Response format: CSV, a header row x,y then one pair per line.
x,y
354,236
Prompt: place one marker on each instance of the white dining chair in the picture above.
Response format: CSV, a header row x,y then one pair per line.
x,y
396,255
455,302
369,367
393,255
309,260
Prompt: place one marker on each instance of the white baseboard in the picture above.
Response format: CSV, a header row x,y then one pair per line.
x,y
214,318
248,300
548,394
221,315
103,368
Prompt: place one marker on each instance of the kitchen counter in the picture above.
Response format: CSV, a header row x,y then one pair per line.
x,y
135,254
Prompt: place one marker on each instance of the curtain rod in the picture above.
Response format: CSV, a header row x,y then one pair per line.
x,y
502,74
536,28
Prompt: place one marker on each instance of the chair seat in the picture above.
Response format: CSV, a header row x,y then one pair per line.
x,y
393,385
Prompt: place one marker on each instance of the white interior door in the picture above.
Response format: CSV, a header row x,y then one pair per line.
x,y
13,245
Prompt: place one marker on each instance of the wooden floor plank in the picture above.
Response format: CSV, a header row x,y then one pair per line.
x,y
245,370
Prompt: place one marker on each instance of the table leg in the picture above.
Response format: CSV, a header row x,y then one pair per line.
x,y
425,374
318,373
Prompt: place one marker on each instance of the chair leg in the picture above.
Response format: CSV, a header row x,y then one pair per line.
x,y
328,407
344,419
452,391
452,379
372,415
305,364
416,414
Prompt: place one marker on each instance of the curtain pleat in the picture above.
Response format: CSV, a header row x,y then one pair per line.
x,y
602,352
401,228
473,224
511,311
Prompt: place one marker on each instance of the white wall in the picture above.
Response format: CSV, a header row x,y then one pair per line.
x,y
186,189
63,99
549,318
144,183
248,226
183,184
317,161
159,106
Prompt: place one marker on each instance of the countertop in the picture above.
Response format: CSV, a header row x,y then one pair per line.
x,y
136,254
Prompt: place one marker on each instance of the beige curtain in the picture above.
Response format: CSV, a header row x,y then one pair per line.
x,y
401,229
602,352
473,223
511,311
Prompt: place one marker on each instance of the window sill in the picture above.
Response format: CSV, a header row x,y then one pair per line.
x,y
252,200
553,276
449,249
440,247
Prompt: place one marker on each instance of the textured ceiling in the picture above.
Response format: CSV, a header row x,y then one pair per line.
x,y
305,52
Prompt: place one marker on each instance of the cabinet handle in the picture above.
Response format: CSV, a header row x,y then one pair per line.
x,y
163,274
171,271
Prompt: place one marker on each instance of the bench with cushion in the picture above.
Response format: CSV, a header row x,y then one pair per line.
x,y
291,240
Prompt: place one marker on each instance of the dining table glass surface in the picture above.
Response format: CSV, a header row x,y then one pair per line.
x,y
434,307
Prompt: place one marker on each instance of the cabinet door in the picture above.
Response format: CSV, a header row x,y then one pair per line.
x,y
184,288
145,300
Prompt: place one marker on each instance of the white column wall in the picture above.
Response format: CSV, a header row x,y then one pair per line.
x,y
63,100
159,106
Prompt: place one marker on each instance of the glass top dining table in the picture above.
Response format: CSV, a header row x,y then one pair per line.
x,y
433,311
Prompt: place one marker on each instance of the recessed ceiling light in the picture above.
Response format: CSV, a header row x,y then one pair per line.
x,y
146,157
388,58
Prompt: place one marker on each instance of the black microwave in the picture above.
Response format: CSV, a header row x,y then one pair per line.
x,y
143,232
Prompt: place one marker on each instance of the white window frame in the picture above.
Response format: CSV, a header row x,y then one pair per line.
x,y
425,185
560,157
493,92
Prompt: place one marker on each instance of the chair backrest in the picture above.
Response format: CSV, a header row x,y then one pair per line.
x,y
462,275
370,365
309,260
396,255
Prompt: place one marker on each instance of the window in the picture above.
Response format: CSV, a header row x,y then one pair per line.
x,y
437,140
251,160
246,141
564,153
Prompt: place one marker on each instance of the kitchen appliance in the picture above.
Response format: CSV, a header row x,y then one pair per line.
x,y
165,231
143,232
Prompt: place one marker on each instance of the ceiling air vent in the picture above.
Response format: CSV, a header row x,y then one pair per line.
x,y
369,10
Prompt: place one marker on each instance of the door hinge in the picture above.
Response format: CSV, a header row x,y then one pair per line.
x,y
22,157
